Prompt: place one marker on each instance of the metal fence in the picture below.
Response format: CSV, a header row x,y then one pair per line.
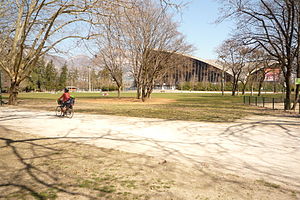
x,y
267,102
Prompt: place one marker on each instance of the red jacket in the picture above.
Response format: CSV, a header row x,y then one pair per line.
x,y
65,97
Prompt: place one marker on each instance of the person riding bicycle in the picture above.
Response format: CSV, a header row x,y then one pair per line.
x,y
66,100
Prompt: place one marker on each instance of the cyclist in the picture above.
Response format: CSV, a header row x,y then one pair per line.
x,y
66,100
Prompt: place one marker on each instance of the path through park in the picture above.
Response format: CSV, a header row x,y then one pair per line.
x,y
260,147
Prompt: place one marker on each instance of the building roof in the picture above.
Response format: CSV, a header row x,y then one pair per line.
x,y
214,63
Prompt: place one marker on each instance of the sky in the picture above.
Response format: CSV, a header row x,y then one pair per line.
x,y
197,24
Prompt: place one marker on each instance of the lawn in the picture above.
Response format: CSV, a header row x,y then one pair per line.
x,y
172,106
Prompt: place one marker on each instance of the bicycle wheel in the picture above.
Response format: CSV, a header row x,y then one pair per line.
x,y
58,111
69,113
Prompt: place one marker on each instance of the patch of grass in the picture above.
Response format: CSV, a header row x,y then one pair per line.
x,y
161,185
49,194
86,183
107,189
268,184
102,184
129,183
170,106
294,194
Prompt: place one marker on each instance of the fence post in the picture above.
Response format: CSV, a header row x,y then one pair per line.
x,y
273,102
263,101
256,101
249,100
244,98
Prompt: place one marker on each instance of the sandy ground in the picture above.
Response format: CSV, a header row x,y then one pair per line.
x,y
258,147
127,101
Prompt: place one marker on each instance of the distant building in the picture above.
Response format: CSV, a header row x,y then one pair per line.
x,y
197,70
72,88
272,74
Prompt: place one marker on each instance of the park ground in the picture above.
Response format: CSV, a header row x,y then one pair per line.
x,y
39,164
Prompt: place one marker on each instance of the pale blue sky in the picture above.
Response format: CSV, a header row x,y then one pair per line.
x,y
197,24
200,30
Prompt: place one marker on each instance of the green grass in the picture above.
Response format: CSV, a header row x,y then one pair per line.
x,y
268,184
170,106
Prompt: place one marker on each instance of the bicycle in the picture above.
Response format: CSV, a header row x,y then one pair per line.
x,y
69,112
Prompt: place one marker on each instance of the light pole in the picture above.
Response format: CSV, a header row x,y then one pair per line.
x,y
89,79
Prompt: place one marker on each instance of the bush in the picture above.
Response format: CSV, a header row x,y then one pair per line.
x,y
206,86
203,86
267,86
109,88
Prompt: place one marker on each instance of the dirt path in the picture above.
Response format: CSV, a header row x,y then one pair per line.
x,y
258,147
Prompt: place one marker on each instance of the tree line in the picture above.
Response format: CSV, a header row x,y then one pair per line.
x,y
46,77
30,29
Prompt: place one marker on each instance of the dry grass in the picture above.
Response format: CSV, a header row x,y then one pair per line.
x,y
190,106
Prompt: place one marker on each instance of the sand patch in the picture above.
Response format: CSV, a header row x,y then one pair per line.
x,y
127,101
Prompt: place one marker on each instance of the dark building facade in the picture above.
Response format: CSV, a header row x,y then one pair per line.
x,y
197,70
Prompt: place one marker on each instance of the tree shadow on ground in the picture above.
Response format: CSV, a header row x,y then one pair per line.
x,y
267,149
51,167
35,167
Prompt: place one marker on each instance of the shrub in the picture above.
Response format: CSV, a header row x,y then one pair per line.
x,y
203,86
109,88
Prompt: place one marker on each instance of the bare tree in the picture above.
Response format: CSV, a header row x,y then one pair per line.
x,y
255,59
30,29
297,65
233,57
272,25
151,42
113,61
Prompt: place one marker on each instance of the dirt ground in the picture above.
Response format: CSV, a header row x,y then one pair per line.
x,y
36,167
127,101
47,157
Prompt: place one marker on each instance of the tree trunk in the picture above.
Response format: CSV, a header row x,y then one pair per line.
x,y
13,93
138,91
260,83
244,89
287,104
144,94
234,87
297,89
150,89
233,91
119,91
222,83
149,92
296,100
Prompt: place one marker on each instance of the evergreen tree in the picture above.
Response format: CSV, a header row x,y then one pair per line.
x,y
50,77
62,81
36,80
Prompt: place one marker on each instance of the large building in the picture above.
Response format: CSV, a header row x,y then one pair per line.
x,y
197,70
